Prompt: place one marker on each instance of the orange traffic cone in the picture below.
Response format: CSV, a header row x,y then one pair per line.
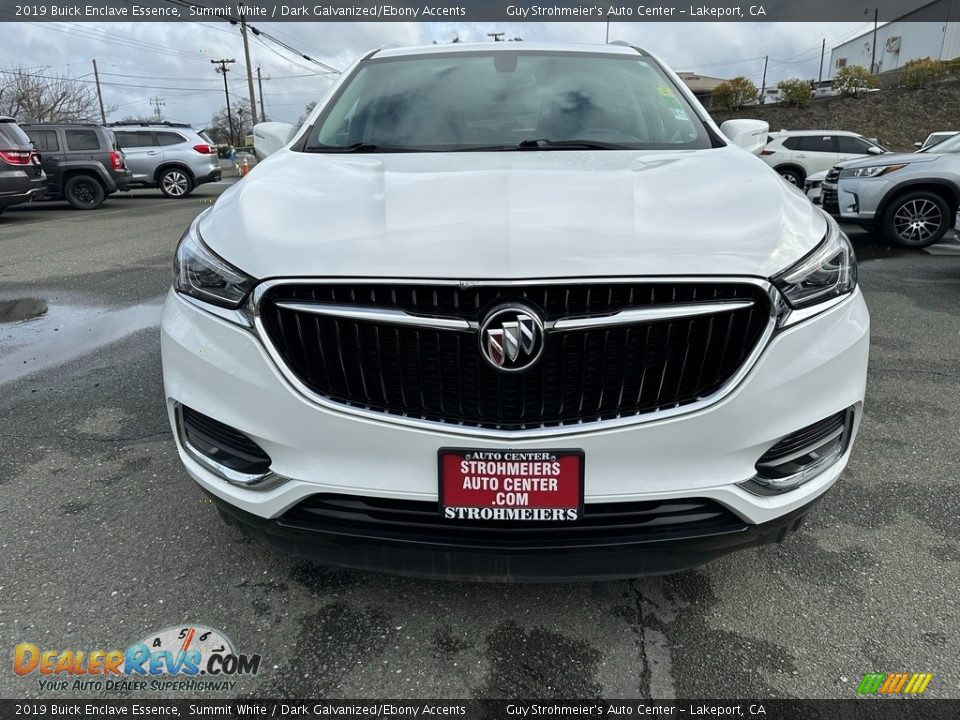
x,y
245,168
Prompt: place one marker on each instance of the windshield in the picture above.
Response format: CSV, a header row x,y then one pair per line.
x,y
950,145
505,101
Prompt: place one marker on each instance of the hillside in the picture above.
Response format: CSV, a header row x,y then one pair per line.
x,y
898,116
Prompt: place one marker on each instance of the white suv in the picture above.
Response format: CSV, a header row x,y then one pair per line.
x,y
516,311
795,154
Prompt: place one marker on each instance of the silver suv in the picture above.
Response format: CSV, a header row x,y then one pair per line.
x,y
171,156
910,198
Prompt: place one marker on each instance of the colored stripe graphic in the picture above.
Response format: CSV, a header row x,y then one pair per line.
x,y
894,683
871,683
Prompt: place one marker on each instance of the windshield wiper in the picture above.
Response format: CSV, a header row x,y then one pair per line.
x,y
360,147
547,144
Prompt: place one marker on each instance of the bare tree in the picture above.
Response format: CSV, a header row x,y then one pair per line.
x,y
306,111
43,96
242,126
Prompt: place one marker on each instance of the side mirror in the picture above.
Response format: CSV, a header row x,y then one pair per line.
x,y
918,145
874,150
269,137
751,135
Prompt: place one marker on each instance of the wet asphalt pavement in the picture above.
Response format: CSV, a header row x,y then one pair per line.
x,y
104,538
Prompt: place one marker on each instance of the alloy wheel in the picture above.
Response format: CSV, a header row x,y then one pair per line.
x,y
916,221
84,193
175,183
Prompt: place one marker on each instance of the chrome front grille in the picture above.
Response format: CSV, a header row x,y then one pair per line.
x,y
613,349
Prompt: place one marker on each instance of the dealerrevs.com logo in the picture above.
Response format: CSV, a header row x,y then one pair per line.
x,y
192,658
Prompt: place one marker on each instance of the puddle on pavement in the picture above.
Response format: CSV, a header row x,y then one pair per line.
x,y
21,309
35,335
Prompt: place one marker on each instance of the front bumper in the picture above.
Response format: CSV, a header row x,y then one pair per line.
x,y
807,372
854,200
458,560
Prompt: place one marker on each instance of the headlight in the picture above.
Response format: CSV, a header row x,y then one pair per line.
x,y
869,172
198,272
827,272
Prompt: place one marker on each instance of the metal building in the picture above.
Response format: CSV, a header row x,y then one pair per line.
x,y
932,30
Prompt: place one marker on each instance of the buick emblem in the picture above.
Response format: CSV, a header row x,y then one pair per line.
x,y
511,337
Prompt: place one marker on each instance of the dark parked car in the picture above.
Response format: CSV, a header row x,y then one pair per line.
x,y
83,162
21,176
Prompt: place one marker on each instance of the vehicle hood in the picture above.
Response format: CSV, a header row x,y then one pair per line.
x,y
888,159
525,214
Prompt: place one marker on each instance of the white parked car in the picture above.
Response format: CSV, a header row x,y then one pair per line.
x,y
934,138
795,154
518,311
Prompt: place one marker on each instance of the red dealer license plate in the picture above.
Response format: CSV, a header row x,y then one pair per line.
x,y
511,485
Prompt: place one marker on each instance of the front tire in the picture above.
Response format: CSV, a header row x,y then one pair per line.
x,y
175,183
916,220
793,175
84,192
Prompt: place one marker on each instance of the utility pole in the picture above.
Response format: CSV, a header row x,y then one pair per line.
x,y
96,76
873,45
246,55
223,70
823,50
497,36
263,112
608,29
157,103
763,85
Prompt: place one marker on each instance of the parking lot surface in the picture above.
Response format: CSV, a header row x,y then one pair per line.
x,y
105,538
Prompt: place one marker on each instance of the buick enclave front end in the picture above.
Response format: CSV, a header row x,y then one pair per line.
x,y
514,313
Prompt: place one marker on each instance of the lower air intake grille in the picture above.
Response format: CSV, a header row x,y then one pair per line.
x,y
807,446
413,519
223,444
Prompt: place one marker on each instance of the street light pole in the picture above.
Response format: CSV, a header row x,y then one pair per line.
x,y
608,29
873,45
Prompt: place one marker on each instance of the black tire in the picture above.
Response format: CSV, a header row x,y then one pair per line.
x,y
793,175
175,183
84,192
916,219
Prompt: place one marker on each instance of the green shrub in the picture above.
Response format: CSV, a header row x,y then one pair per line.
x,y
795,92
734,94
853,80
922,73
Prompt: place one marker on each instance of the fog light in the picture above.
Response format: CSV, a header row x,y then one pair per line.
x,y
801,456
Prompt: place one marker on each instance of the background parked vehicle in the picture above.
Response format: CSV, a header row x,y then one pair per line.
x,y
82,162
795,154
911,198
21,176
935,138
812,186
171,156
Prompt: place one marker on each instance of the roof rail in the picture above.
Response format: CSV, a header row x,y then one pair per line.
x,y
624,43
161,123
77,123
